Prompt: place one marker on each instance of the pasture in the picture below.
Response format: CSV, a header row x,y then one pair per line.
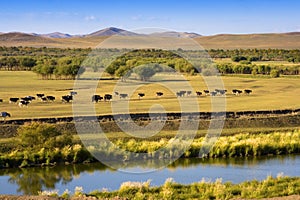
x,y
268,94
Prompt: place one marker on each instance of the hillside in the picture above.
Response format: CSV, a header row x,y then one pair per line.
x,y
244,41
222,41
111,31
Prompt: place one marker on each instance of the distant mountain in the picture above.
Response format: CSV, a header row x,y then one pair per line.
x,y
293,33
111,31
175,34
16,36
56,35
289,40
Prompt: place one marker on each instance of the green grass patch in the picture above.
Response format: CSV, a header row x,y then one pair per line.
x,y
271,187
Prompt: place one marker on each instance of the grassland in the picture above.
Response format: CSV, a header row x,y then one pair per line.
x,y
268,94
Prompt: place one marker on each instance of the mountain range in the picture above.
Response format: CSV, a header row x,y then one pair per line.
x,y
117,31
221,41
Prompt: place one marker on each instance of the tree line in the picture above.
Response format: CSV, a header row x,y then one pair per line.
x,y
57,63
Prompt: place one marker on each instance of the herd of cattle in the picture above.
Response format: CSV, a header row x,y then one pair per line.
x,y
25,101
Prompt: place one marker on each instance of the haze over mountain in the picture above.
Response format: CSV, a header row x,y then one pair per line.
x,y
221,41
56,35
117,31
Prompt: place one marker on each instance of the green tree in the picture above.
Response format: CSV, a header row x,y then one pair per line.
x,y
145,72
42,135
28,63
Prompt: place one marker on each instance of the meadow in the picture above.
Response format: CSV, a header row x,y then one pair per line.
x,y
268,94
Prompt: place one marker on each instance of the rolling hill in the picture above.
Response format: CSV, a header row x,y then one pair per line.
x,y
111,31
221,41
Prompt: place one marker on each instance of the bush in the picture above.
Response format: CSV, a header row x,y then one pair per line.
x,y
42,135
274,73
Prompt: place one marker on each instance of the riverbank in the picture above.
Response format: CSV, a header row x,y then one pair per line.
x,y
239,145
109,123
275,188
27,197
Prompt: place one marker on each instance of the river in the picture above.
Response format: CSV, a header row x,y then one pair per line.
x,y
96,176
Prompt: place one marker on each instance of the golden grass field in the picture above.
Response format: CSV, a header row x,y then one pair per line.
x,y
268,94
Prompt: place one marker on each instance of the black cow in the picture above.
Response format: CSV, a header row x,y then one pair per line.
x,y
206,92
67,98
28,98
214,93
188,93
198,93
141,95
159,94
13,100
181,93
23,103
247,91
221,92
107,97
1,100
40,95
50,98
96,98
123,96
44,99
4,115
236,92
31,97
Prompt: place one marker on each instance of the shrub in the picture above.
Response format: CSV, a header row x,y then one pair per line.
x,y
274,73
41,135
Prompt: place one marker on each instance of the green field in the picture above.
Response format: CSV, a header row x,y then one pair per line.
x,y
268,94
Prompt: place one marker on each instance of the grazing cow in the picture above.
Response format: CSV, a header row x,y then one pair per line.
x,y
44,99
40,95
13,100
179,94
107,97
236,92
198,93
188,93
50,98
159,94
1,100
23,103
96,98
28,98
4,115
206,92
72,93
221,92
248,92
123,96
141,95
214,93
116,93
67,98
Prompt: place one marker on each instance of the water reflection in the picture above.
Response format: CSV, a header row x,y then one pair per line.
x,y
32,180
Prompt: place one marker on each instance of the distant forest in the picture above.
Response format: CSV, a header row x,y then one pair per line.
x,y
57,63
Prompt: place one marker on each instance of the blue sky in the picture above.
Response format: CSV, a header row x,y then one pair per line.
x,y
204,17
